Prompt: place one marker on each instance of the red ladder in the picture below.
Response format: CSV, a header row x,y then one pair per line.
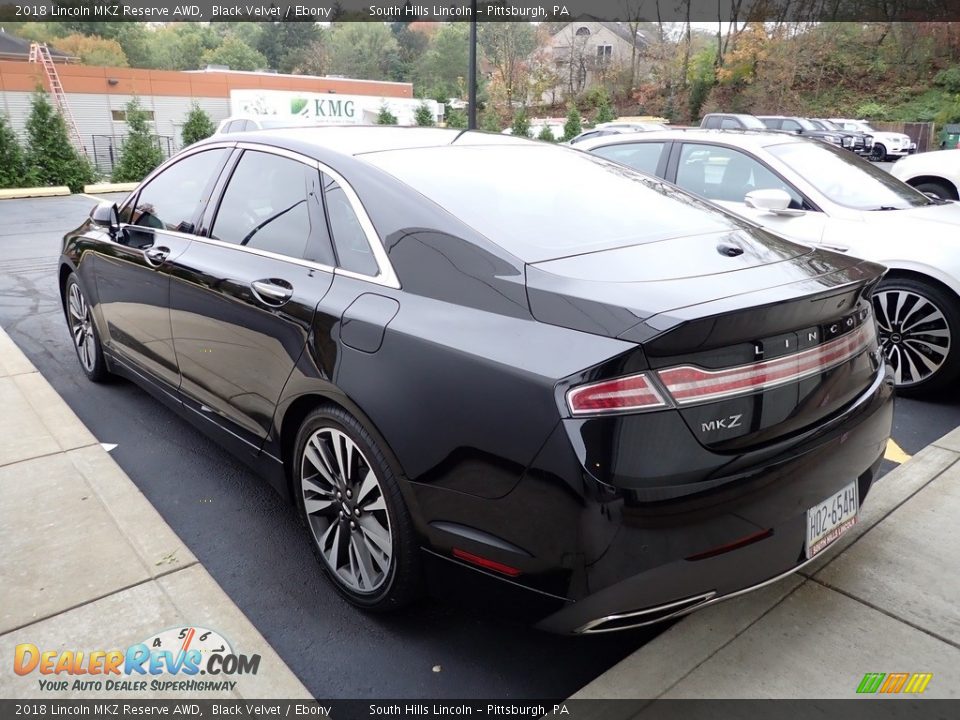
x,y
39,52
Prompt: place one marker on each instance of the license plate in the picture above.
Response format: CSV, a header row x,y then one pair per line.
x,y
830,519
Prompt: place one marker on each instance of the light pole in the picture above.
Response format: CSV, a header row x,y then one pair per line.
x,y
472,70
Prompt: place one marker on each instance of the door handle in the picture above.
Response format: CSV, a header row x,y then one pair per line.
x,y
157,255
272,291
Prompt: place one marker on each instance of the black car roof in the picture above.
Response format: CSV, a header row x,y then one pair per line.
x,y
317,142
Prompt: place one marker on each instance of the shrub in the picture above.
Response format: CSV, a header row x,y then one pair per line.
x,y
949,79
12,170
51,159
385,117
139,153
423,115
197,127
872,111
521,124
573,126
490,122
605,113
456,119
546,134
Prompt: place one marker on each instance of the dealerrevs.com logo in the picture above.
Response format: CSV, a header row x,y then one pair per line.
x,y
171,660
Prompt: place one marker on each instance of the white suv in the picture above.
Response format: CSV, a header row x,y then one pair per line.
x,y
885,144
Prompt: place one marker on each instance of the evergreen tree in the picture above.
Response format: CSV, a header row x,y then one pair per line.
x,y
51,159
197,127
521,124
490,122
423,115
573,126
546,134
456,119
12,171
605,112
385,117
139,153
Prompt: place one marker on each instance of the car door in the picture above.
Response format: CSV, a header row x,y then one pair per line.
x,y
725,175
133,280
243,296
647,157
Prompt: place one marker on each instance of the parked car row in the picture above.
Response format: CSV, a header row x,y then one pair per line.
x,y
814,193
615,386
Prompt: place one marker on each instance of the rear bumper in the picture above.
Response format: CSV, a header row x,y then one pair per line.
x,y
648,572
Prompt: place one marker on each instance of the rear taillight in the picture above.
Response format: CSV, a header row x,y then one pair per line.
x,y
633,392
688,384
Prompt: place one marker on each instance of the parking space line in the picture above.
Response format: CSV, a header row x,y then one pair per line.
x,y
93,197
895,453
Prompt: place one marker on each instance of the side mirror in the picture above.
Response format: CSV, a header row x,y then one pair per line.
x,y
772,200
107,216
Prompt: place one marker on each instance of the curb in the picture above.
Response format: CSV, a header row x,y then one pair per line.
x,y
14,193
110,187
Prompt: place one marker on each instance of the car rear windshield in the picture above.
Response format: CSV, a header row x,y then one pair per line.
x,y
541,202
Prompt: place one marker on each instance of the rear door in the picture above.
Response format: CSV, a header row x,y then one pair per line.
x,y
243,298
133,279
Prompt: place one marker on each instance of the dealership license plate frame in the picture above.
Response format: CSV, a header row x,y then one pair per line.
x,y
832,531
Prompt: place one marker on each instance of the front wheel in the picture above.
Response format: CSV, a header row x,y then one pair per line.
x,y
350,500
918,326
879,153
86,341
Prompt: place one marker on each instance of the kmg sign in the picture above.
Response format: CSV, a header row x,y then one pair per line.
x,y
326,108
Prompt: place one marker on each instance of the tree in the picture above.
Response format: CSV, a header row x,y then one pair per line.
x,y
521,124
197,126
51,159
180,46
490,122
235,54
456,119
443,67
507,45
93,50
546,134
12,170
139,153
385,117
573,126
289,45
362,50
423,115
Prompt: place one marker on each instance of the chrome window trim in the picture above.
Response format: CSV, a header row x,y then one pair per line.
x,y
386,275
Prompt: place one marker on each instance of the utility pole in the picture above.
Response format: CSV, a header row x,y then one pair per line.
x,y
472,70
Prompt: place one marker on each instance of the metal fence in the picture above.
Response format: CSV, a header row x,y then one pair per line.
x,y
106,149
922,133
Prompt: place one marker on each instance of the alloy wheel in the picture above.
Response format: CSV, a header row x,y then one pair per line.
x,y
914,334
346,510
81,326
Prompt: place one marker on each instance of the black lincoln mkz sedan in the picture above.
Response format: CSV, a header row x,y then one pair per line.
x,y
479,357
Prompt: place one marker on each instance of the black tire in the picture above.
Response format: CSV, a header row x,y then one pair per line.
x,y
83,331
355,514
878,153
923,333
939,189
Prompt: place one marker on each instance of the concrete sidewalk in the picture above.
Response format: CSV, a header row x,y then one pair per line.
x,y
884,599
86,562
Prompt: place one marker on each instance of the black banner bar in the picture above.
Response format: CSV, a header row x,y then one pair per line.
x,y
486,10
889,708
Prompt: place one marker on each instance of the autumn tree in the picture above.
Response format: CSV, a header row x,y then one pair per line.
x,y
507,45
93,50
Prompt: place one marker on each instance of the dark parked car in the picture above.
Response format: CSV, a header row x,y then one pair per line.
x,y
731,121
621,403
861,143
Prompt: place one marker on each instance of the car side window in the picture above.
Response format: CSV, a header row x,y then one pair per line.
x,y
729,124
349,239
266,205
722,173
770,123
174,198
640,156
791,125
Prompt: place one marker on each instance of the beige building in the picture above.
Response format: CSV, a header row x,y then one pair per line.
x,y
585,52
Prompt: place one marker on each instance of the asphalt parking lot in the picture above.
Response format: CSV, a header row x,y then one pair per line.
x,y
251,544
